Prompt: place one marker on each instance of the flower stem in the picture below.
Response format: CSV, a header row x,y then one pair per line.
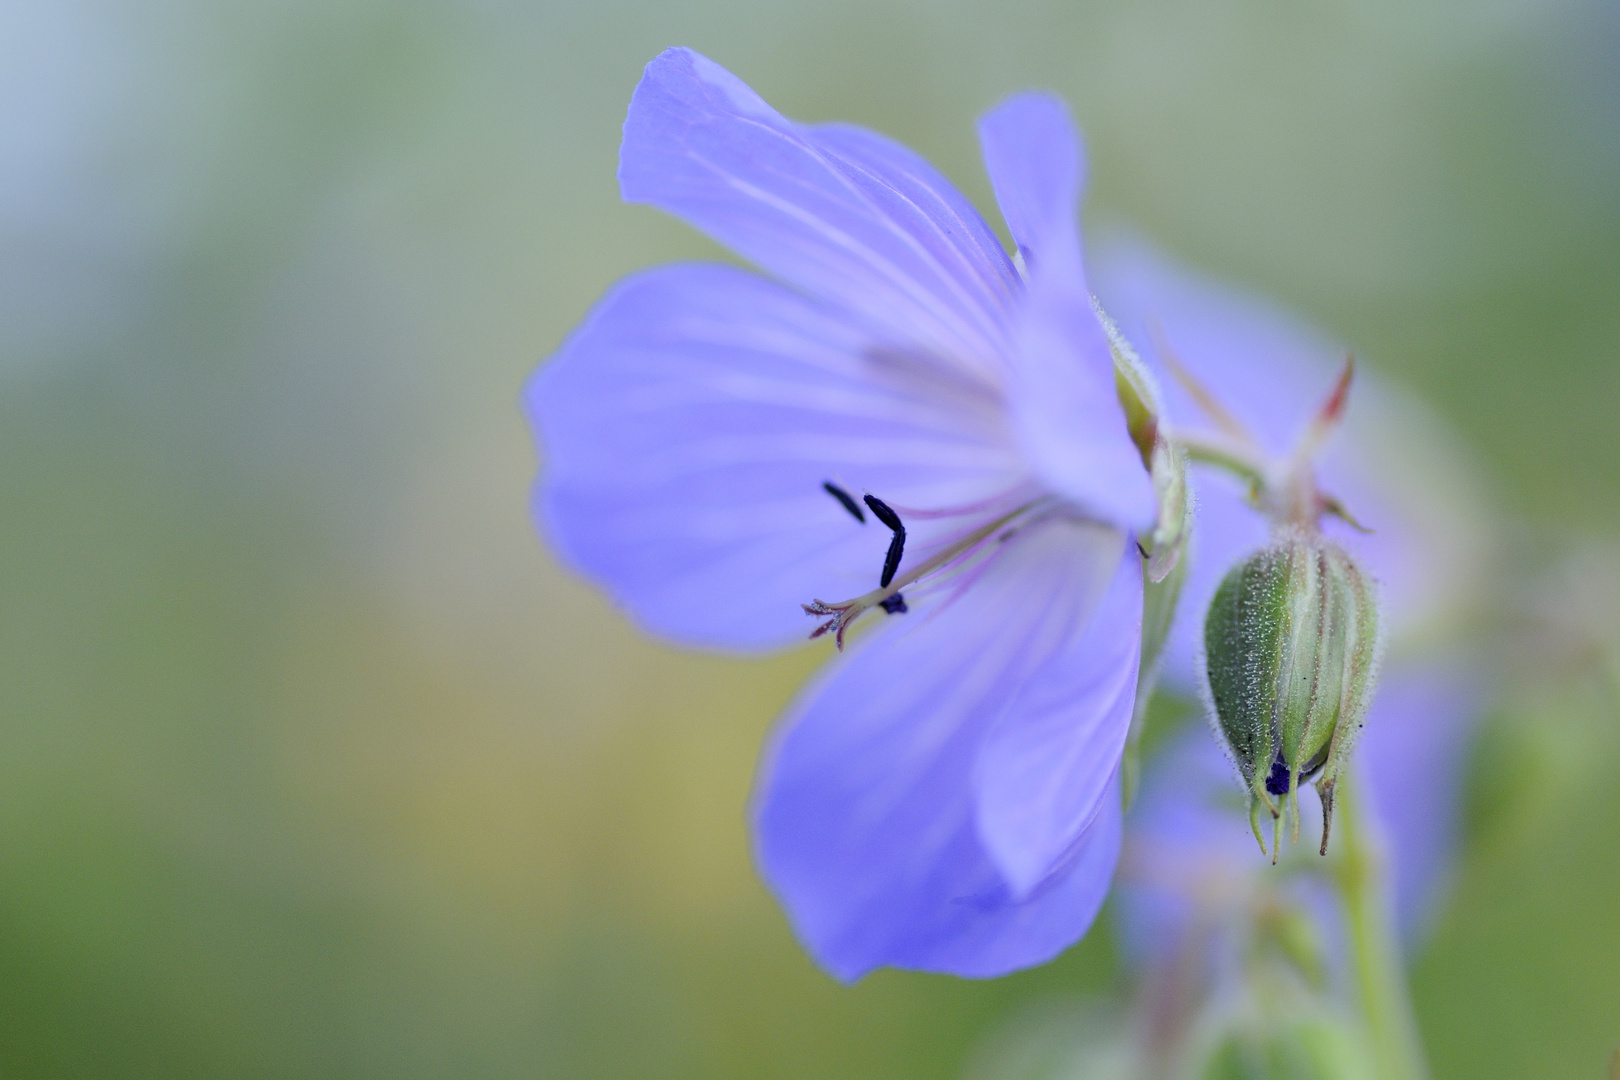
x,y
1223,453
1375,954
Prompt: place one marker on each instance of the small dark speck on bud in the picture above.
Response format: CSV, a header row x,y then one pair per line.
x,y
1277,782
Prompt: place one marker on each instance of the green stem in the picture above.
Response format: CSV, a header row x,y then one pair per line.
x,y
1375,954
1223,454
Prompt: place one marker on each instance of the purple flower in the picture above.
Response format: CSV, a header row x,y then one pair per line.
x,y
1395,468
944,796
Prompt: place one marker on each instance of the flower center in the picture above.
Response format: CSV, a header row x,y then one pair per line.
x,y
952,554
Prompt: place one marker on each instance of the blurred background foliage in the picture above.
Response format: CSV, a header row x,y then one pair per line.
x,y
313,762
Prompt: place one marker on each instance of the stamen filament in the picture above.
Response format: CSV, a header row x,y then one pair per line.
x,y
945,555
845,613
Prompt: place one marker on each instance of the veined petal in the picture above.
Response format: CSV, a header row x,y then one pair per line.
x,y
1060,390
845,215
1048,762
688,426
866,812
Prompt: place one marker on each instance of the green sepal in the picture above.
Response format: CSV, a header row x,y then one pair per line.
x,y
1243,638
1159,600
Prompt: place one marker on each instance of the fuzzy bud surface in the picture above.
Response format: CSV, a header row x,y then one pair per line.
x,y
1291,654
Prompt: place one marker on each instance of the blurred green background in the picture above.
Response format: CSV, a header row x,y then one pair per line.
x,y
314,763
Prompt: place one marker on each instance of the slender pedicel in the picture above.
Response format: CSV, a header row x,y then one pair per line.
x,y
897,547
845,499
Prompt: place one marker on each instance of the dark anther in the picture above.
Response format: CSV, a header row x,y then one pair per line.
x,y
884,514
897,546
891,561
845,499
1277,782
895,605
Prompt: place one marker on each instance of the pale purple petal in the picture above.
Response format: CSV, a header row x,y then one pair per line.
x,y
1188,852
1412,754
1047,763
865,811
909,190
1393,464
1066,414
687,427
844,215
1061,388
1037,168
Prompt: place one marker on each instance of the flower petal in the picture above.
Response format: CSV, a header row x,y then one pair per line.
x,y
1189,855
1413,754
688,426
865,812
1061,389
1038,170
845,215
1047,763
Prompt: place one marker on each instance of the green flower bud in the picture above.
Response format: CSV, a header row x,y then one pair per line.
x,y
1291,648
